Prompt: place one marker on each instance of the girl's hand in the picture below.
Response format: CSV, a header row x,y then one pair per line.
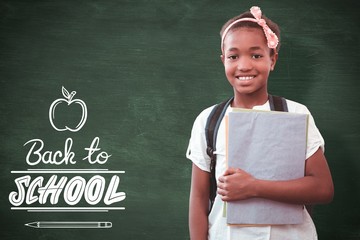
x,y
236,184
314,188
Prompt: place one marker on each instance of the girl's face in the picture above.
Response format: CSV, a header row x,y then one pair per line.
x,y
247,61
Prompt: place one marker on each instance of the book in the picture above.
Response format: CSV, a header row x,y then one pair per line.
x,y
270,146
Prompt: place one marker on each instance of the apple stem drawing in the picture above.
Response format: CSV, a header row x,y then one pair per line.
x,y
69,99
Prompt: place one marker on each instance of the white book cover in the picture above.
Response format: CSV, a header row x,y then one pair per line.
x,y
271,146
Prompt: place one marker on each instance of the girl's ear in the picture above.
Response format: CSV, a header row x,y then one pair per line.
x,y
274,58
222,58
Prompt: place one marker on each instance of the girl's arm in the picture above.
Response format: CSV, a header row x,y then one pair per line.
x,y
316,187
199,204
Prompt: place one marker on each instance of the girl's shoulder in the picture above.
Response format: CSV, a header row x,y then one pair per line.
x,y
201,119
296,107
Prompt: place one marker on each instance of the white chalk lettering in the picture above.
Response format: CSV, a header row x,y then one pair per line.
x,y
101,158
48,157
111,195
30,198
94,190
72,190
17,198
51,188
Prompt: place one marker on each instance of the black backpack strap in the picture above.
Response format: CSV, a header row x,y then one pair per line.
x,y
277,103
212,126
211,129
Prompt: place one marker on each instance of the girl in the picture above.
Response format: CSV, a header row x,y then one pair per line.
x,y
250,45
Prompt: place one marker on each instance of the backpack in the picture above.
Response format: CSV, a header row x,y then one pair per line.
x,y
212,127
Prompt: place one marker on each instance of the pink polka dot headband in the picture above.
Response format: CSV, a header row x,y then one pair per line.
x,y
272,39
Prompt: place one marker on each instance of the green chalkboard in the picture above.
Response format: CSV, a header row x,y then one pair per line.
x,y
142,71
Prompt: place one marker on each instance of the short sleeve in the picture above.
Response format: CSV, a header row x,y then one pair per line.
x,y
314,138
196,151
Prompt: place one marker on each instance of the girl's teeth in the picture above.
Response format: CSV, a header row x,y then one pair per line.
x,y
246,78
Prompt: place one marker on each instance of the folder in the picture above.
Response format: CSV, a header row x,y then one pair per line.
x,y
270,146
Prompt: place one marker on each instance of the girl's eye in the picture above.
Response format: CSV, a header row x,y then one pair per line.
x,y
256,56
232,57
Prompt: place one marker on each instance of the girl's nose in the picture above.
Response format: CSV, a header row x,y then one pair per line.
x,y
244,64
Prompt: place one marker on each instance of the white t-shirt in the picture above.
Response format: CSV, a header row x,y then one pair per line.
x,y
218,228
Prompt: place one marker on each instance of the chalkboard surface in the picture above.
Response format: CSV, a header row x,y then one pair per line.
x,y
103,95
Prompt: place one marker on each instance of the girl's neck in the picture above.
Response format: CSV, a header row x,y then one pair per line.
x,y
249,100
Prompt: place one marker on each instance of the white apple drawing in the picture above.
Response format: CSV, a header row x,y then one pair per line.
x,y
68,99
